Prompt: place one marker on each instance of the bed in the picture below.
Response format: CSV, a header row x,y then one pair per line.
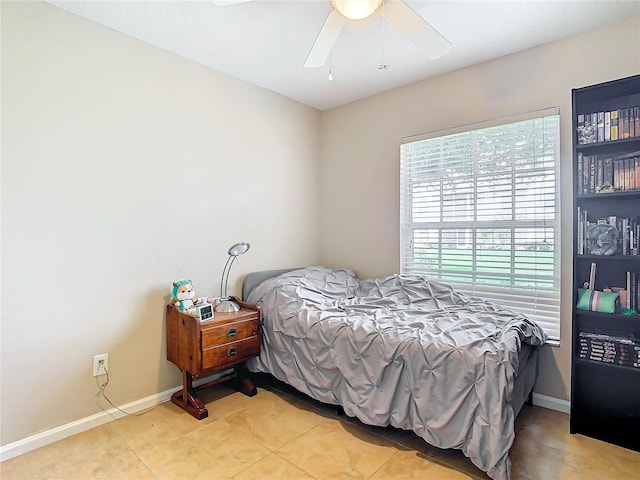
x,y
400,351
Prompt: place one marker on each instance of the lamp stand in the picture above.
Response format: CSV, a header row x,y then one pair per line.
x,y
227,304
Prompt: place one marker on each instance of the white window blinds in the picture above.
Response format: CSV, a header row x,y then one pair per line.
x,y
479,210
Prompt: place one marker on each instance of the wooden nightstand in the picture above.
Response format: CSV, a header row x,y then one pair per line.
x,y
198,349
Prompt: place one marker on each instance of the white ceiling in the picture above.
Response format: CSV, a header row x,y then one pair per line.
x,y
266,42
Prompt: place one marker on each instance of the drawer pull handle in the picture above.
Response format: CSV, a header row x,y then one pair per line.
x,y
232,332
232,351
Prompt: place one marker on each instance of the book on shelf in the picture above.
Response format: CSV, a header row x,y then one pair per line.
x,y
633,289
629,295
583,225
580,127
612,349
624,231
628,235
600,127
606,182
614,125
609,126
605,174
580,179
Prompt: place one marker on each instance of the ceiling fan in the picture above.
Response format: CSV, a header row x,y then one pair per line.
x,y
396,12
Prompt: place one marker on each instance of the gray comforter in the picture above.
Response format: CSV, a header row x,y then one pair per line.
x,y
399,351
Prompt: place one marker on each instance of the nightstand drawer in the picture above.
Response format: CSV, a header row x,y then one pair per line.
x,y
232,332
230,353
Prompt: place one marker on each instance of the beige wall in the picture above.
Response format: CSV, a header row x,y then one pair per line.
x,y
360,151
125,168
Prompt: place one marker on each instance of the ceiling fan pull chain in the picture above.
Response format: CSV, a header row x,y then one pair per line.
x,y
383,65
330,76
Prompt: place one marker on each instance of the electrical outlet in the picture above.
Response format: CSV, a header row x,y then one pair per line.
x,y
100,364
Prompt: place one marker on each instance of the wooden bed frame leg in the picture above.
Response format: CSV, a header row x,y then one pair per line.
x,y
187,398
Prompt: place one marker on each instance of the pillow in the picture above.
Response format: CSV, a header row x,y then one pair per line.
x,y
596,301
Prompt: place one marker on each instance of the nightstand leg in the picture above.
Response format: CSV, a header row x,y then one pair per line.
x,y
187,398
242,382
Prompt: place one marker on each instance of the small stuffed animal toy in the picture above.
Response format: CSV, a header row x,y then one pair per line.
x,y
603,239
185,297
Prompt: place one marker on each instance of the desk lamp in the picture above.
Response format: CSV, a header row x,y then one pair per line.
x,y
226,304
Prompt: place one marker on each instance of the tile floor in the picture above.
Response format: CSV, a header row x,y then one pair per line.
x,y
280,434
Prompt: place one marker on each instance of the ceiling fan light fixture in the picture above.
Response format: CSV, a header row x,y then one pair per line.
x,y
356,9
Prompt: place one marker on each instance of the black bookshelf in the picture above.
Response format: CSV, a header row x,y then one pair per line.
x,y
605,397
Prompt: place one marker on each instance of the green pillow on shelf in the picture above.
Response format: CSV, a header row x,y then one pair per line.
x,y
596,301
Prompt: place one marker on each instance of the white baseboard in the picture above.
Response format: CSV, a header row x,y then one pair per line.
x,y
47,437
551,403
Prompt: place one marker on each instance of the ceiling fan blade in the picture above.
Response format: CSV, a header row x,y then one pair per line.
x,y
224,3
416,28
325,40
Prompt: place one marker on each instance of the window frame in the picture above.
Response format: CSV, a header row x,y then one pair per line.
x,y
544,299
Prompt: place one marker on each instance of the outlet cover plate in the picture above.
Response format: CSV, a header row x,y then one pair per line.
x,y
100,369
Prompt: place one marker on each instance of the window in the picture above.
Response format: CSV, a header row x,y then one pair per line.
x,y
479,210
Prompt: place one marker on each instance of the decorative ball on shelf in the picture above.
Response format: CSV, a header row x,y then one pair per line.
x,y
603,239
587,133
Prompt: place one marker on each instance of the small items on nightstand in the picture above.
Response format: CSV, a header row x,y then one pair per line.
x,y
185,300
